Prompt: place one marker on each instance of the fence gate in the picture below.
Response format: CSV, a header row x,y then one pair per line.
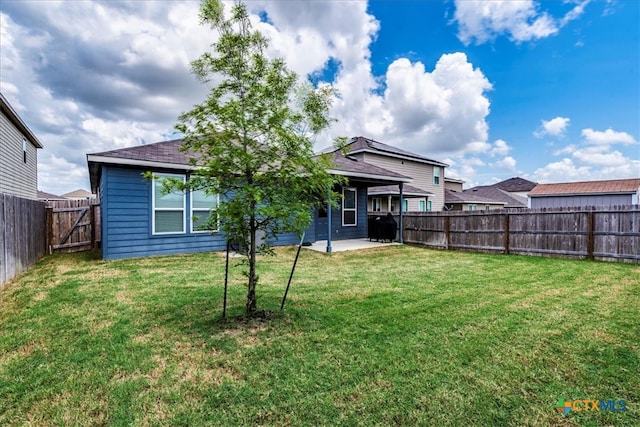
x,y
72,225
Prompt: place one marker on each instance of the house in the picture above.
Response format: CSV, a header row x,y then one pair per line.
x,y
45,197
501,195
79,194
586,193
470,201
139,220
18,154
453,184
426,192
515,186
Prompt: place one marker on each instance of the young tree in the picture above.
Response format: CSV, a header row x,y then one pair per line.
x,y
252,138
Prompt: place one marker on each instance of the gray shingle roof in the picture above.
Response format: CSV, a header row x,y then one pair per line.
x,y
360,143
168,153
490,192
451,197
161,152
515,185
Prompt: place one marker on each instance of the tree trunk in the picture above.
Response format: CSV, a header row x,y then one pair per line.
x,y
251,293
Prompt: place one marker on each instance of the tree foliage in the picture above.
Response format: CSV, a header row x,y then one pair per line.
x,y
252,138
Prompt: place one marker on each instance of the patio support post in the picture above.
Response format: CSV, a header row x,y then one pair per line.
x,y
329,248
401,203
389,203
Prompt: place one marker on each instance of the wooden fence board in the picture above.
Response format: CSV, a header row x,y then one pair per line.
x,y
22,234
74,225
603,233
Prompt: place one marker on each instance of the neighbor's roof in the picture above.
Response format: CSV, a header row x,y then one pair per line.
x,y
587,187
14,118
78,194
48,196
451,197
516,184
497,195
407,190
360,144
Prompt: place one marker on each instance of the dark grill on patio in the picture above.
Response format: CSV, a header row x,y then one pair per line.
x,y
382,228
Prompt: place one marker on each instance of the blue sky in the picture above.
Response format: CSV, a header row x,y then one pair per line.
x,y
546,90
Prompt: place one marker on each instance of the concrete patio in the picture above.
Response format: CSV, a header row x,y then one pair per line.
x,y
347,245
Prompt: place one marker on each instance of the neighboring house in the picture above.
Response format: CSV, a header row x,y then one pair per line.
x,y
515,186
426,192
453,184
139,220
586,193
48,196
501,195
470,201
79,194
18,154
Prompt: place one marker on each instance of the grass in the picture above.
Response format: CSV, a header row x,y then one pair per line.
x,y
393,336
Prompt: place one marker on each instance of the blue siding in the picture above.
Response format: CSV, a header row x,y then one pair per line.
x,y
338,231
127,216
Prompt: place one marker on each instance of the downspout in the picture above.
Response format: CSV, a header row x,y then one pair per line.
x,y
329,248
401,204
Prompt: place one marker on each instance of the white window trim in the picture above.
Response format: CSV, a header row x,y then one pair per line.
x,y
153,206
405,205
470,205
429,206
436,175
355,209
373,204
422,202
192,213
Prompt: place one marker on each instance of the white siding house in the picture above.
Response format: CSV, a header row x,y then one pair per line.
x,y
18,154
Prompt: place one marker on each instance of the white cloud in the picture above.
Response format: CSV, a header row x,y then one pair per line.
x,y
520,20
607,137
565,169
566,150
555,127
508,163
500,148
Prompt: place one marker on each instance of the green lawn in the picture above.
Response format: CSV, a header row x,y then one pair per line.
x,y
392,336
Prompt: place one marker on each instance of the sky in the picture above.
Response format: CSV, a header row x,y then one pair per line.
x,y
545,90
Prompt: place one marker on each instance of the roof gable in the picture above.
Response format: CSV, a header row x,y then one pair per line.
x,y
514,185
17,121
360,144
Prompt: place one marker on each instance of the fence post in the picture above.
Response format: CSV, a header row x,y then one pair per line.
x,y
506,233
49,230
590,238
447,231
92,219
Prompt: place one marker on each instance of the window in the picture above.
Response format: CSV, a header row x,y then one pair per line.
x,y
203,212
405,205
24,150
429,206
168,208
436,175
422,205
472,207
376,204
349,207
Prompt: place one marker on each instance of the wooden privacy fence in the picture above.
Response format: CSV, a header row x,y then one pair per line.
x,y
604,233
22,234
73,225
